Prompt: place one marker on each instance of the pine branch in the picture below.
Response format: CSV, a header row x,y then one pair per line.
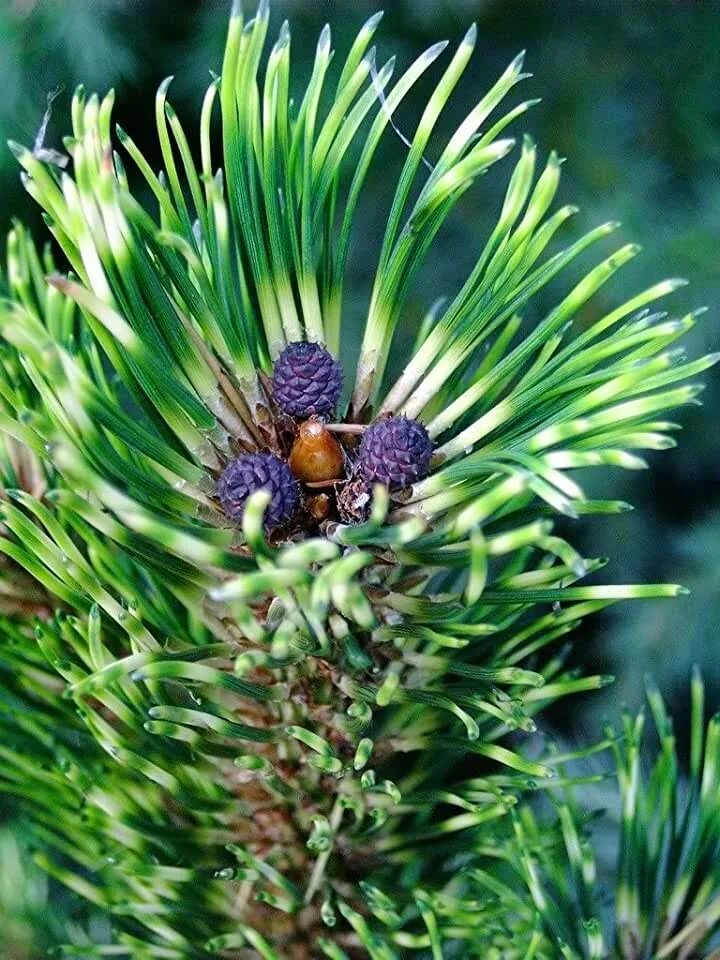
x,y
666,884
247,654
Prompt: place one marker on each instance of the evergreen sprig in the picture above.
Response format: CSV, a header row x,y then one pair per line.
x,y
248,742
666,901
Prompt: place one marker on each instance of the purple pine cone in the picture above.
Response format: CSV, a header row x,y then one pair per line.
x,y
395,452
307,380
258,471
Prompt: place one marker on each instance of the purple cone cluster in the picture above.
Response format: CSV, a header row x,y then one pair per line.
x,y
395,452
259,471
307,380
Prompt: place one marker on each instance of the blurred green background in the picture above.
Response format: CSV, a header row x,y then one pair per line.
x,y
629,92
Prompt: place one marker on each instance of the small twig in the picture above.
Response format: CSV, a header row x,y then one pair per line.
x,y
346,427
46,154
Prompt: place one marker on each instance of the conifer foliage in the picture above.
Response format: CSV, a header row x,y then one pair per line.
x,y
269,671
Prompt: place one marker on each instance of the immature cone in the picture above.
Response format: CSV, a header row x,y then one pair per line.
x,y
395,452
307,380
259,471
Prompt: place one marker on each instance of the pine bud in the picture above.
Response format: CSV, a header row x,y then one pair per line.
x,y
316,455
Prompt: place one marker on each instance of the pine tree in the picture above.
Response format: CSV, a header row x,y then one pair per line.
x,y
271,658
